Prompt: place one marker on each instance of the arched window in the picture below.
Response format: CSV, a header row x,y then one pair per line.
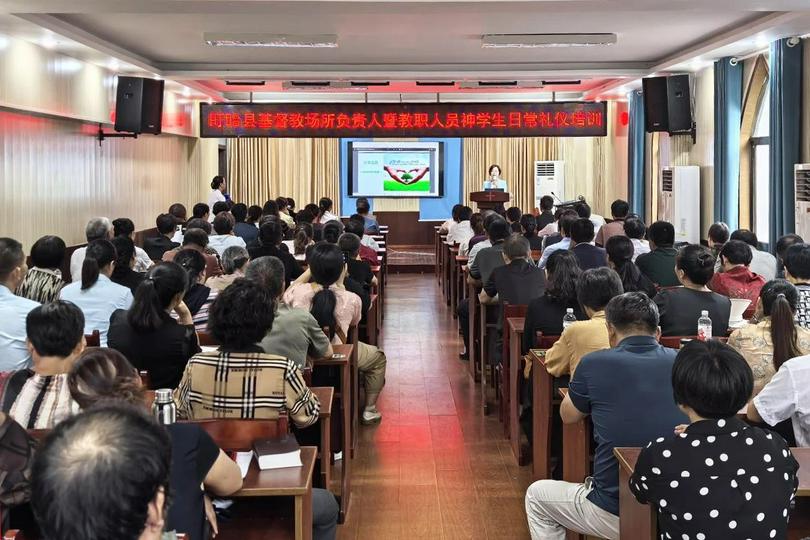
x,y
760,169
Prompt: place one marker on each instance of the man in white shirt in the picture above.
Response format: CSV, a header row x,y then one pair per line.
x,y
635,229
445,228
762,263
98,228
786,396
224,237
14,353
125,227
566,220
462,231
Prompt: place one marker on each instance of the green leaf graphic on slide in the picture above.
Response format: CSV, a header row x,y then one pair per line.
x,y
392,185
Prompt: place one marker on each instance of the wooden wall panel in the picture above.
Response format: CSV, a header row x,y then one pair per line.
x,y
54,176
406,229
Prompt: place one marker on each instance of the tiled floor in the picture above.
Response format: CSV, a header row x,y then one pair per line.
x,y
435,467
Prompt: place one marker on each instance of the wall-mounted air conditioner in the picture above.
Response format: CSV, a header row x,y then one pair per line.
x,y
549,179
801,178
679,202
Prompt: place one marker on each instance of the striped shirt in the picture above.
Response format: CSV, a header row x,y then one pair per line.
x,y
41,285
43,402
223,384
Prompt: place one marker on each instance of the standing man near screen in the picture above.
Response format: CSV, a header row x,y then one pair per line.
x,y
495,181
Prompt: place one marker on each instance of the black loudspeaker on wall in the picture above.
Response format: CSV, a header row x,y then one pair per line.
x,y
667,104
139,105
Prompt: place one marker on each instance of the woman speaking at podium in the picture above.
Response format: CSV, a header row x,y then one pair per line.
x,y
495,181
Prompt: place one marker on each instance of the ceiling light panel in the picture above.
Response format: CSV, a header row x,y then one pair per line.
x,y
532,41
317,41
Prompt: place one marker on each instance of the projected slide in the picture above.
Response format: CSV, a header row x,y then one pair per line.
x,y
398,169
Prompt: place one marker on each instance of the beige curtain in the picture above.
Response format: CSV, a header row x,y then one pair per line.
x,y
304,169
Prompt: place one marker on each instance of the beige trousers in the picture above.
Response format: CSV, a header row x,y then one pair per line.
x,y
371,365
553,506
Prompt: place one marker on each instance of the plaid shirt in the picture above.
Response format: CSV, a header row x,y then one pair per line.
x,y
222,384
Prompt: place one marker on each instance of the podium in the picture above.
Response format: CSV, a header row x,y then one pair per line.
x,y
489,200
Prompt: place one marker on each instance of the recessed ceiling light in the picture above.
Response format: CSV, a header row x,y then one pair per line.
x,y
761,42
530,41
186,91
317,41
49,42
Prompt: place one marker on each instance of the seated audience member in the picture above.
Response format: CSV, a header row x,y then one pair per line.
x,y
254,215
197,240
332,231
583,210
518,281
43,281
224,237
217,385
762,262
680,307
448,224
306,215
797,271
686,477
620,251
178,212
39,398
567,219
528,226
291,207
218,208
96,295
368,250
270,209
546,215
489,218
233,264
370,224
156,246
302,239
126,228
200,211
545,313
513,215
149,335
366,239
782,246
619,210
550,233
599,389
325,214
101,475
358,269
635,230
775,338
659,263
269,245
284,212
125,261
588,255
320,290
595,288
462,231
248,232
198,467
717,238
295,333
97,229
14,354
198,297
736,279
477,226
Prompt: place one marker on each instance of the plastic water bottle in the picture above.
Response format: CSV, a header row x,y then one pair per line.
x,y
163,407
569,318
704,326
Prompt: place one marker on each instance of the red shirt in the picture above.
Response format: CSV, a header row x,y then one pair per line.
x,y
739,282
369,255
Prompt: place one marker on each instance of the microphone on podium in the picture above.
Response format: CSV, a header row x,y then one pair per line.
x,y
555,196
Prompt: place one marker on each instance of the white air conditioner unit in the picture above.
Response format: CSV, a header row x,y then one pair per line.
x,y
801,176
549,179
679,202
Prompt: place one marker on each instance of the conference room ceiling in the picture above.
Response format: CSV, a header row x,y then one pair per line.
x,y
408,41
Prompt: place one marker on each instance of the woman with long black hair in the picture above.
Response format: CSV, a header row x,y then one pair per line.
x,y
198,297
157,333
95,294
325,211
620,252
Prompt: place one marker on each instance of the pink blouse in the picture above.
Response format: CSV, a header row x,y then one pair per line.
x,y
347,308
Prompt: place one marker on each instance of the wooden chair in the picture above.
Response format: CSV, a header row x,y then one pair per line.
x,y
503,374
206,340
543,402
238,435
146,380
488,326
93,340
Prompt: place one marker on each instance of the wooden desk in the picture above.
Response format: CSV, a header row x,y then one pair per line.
x,y
639,520
326,396
474,330
576,454
341,360
372,317
461,277
542,415
437,240
293,482
512,375
487,326
453,283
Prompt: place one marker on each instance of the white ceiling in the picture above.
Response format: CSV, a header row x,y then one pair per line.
x,y
408,41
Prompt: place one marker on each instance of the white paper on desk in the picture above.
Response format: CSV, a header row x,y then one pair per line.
x,y
243,459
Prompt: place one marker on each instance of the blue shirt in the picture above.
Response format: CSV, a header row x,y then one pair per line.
x,y
627,391
370,225
497,184
14,354
565,243
98,303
